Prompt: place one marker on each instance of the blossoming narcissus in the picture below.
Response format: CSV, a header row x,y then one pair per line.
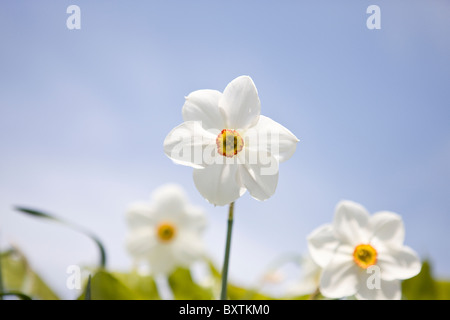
x,y
362,255
166,232
231,147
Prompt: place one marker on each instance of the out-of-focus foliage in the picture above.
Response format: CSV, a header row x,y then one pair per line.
x,y
143,285
19,280
18,277
235,292
121,286
425,287
87,291
184,288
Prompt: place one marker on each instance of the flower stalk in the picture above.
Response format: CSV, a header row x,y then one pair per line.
x,y
315,295
223,294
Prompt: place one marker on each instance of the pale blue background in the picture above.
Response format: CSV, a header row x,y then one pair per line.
x,y
83,115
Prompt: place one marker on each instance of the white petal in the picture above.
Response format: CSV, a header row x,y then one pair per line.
x,y
322,244
188,248
310,268
273,137
388,290
139,214
169,196
240,103
217,183
203,105
140,242
399,263
162,259
350,223
387,228
340,278
169,203
187,143
258,172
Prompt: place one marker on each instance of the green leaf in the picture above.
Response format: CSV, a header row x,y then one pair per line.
x,y
214,271
420,287
105,286
17,294
18,277
184,288
41,214
235,292
239,293
304,297
443,290
425,287
87,291
143,285
2,289
36,213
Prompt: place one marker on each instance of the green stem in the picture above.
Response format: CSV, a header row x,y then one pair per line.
x,y
223,294
1,277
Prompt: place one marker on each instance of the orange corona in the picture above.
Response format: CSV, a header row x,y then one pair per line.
x,y
229,143
166,231
365,255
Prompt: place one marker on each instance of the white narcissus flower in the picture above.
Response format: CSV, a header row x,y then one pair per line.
x,y
362,255
166,232
231,147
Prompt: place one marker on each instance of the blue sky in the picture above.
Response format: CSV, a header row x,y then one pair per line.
x,y
83,114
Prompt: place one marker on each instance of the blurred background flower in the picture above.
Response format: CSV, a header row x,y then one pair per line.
x,y
352,244
166,232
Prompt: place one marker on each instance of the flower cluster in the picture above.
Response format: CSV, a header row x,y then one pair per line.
x,y
232,148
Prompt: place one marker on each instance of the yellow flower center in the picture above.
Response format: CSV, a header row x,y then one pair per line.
x,y
365,255
166,231
229,143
